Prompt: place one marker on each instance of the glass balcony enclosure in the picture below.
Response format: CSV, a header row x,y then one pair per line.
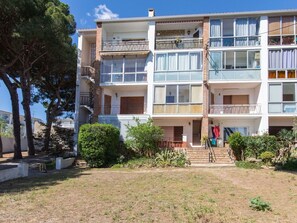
x,y
234,32
234,65
180,66
124,69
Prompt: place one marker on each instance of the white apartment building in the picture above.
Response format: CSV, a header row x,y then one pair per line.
x,y
204,75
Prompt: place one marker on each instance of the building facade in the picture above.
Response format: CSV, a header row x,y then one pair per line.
x,y
196,76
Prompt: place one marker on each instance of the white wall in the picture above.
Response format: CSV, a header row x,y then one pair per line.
x,y
8,144
125,35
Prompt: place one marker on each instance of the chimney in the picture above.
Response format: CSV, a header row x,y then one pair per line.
x,y
151,12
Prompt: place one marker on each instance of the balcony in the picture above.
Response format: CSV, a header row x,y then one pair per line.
x,y
117,78
86,99
252,109
282,108
177,76
119,45
176,109
235,41
88,72
235,75
178,43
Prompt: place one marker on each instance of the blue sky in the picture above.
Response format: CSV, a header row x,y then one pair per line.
x,y
86,11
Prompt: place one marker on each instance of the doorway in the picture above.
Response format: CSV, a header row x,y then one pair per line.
x,y
196,130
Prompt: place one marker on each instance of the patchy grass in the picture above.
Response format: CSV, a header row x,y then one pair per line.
x,y
155,195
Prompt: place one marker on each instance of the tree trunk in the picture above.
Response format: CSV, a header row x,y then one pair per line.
x,y
12,88
48,128
26,106
1,147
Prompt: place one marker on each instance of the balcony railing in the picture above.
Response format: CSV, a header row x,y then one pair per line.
x,y
178,76
235,109
86,99
88,71
123,78
282,107
235,41
119,45
129,110
178,43
241,75
172,109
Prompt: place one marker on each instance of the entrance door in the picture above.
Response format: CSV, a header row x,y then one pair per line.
x,y
196,132
132,105
178,133
107,104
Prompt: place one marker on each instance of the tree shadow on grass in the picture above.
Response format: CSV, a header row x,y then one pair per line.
x,y
40,181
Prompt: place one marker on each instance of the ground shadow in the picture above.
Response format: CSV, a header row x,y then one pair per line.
x,y
40,181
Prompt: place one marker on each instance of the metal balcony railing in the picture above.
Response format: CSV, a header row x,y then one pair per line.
x,y
119,45
178,43
235,109
86,99
88,71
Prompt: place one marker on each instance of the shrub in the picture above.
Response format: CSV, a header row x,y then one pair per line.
x,y
267,156
259,205
255,145
137,163
98,144
290,164
248,165
143,138
237,144
171,158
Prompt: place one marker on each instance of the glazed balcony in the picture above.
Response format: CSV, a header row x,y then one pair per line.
x,y
235,109
171,43
235,41
117,78
160,76
119,45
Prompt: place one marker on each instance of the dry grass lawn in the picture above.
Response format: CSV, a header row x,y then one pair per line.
x,y
157,195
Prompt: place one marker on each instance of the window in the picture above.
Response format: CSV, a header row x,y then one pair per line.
x,y
288,91
183,93
228,27
130,65
228,62
215,28
159,94
234,60
141,64
117,66
106,66
281,30
241,59
160,62
275,93
179,61
171,94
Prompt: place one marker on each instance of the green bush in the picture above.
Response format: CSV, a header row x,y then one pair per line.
x,y
237,144
248,165
171,158
143,138
98,144
255,145
290,164
259,205
267,156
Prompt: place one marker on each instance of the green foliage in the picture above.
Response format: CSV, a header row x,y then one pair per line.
x,y
248,165
259,205
98,144
143,138
290,164
237,144
171,158
255,145
142,162
267,156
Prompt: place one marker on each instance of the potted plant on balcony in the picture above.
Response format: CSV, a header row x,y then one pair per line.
x,y
177,42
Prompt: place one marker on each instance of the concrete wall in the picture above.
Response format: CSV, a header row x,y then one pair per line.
x,y
20,171
219,94
8,144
